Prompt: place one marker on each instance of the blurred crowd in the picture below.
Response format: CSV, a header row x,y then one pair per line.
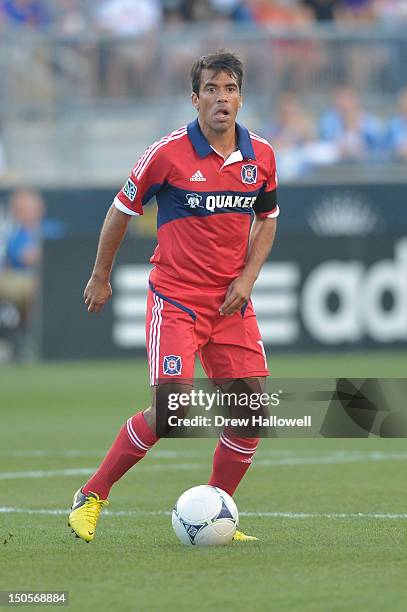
x,y
21,235
345,132
311,121
23,227
133,17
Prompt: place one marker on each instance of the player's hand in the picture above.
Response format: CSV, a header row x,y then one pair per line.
x,y
96,294
237,295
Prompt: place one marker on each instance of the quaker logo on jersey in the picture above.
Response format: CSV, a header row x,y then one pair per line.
x,y
193,200
130,190
249,173
212,202
172,365
229,201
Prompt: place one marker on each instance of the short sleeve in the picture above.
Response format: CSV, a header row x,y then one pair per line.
x,y
266,205
145,181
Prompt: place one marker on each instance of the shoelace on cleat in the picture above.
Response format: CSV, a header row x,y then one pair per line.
x,y
93,509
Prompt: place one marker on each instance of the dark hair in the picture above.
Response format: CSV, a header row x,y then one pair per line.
x,y
221,61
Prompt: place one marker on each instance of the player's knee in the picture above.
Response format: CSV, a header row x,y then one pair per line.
x,y
150,417
170,399
247,401
253,384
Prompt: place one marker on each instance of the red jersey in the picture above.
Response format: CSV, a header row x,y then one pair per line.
x,y
205,203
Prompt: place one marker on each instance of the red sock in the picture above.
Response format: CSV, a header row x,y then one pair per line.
x,y
231,461
132,442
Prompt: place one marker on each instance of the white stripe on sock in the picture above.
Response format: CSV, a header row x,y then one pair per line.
x,y
236,447
134,438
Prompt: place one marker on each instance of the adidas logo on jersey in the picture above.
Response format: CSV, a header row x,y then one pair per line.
x,y
197,176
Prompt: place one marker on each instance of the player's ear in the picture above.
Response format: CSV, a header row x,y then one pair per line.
x,y
195,100
241,101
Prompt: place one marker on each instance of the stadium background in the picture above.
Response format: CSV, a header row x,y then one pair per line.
x,y
84,88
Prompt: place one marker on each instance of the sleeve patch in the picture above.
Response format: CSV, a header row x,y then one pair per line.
x,y
130,190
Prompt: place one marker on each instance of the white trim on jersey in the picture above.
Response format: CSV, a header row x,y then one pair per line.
x,y
154,341
157,347
154,144
274,214
266,142
234,157
260,139
141,166
152,334
120,206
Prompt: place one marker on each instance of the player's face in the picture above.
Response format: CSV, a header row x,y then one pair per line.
x,y
219,100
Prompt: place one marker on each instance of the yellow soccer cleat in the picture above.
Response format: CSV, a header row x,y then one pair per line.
x,y
84,514
242,537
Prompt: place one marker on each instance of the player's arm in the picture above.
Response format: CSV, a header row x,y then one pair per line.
x,y
144,182
98,290
261,240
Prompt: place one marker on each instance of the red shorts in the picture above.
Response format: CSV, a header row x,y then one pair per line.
x,y
183,321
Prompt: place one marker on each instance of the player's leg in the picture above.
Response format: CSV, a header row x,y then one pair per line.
x,y
235,450
236,446
235,352
171,351
133,441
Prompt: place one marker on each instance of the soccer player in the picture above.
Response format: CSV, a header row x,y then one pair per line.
x,y
208,177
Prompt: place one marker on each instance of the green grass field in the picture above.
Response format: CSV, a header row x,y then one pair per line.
x,y
330,514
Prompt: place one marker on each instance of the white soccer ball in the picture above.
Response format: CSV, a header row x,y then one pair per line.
x,y
205,516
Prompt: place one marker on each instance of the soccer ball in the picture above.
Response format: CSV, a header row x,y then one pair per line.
x,y
205,516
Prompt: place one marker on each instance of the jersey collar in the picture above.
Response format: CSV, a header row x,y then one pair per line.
x,y
203,148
